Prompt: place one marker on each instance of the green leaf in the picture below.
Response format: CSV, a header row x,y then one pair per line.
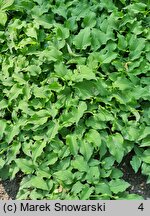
x,y
52,130
2,162
3,104
34,70
14,92
61,32
82,40
118,185
13,151
122,83
122,43
116,147
93,175
89,20
108,162
131,133
2,127
146,156
43,171
145,133
135,163
86,192
108,57
25,165
50,55
83,72
86,149
12,132
77,187
94,137
102,188
86,89
137,7
35,182
71,141
116,173
82,107
145,168
51,158
80,164
31,31
3,17
5,4
131,197
64,175
37,149
45,20
98,38
108,4
145,142
38,182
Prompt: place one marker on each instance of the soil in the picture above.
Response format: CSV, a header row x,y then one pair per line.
x,y
136,180
9,189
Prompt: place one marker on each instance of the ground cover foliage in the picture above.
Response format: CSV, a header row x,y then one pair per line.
x,y
74,96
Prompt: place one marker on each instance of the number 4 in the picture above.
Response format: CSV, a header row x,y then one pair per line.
x,y
141,207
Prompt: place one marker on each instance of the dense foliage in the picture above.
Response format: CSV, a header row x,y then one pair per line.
x,y
74,96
